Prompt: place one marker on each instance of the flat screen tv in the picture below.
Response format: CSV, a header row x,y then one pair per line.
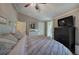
x,y
67,21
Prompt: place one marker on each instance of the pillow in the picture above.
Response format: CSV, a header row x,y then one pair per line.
x,y
36,37
3,20
6,46
18,35
7,41
9,37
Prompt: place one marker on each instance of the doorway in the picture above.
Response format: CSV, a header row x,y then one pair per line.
x,y
50,29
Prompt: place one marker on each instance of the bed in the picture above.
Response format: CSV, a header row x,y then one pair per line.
x,y
39,45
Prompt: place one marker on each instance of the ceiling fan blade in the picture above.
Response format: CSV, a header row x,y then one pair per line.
x,y
43,3
27,5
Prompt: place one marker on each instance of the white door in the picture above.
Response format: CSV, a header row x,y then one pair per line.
x,y
50,29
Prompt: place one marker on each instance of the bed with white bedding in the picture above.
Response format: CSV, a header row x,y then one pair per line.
x,y
8,41
39,45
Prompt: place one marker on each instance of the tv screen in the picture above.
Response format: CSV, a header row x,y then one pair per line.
x,y
67,21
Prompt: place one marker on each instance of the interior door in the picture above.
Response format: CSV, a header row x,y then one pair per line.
x,y
50,29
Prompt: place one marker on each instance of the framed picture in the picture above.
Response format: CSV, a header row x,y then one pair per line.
x,y
33,26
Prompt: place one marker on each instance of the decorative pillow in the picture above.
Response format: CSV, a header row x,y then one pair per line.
x,y
6,45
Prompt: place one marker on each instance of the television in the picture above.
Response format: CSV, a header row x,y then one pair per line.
x,y
67,21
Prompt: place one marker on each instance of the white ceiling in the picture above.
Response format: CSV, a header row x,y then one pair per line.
x,y
47,11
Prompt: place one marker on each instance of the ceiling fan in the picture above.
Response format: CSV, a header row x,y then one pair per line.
x,y
36,5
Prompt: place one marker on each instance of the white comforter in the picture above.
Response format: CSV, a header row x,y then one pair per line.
x,y
39,46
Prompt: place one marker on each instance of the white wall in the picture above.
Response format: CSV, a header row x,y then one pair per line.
x,y
41,28
28,20
50,29
39,24
7,11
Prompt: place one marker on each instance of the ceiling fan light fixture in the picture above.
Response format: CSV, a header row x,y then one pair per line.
x,y
36,7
